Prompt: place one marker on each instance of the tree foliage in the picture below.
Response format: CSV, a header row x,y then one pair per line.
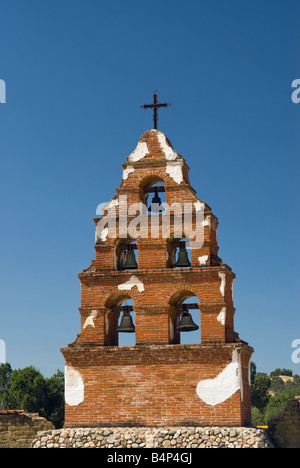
x,y
260,387
279,371
28,390
270,393
5,375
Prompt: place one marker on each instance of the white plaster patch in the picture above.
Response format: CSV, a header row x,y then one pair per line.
x,y
128,170
223,282
112,204
139,153
102,207
222,316
102,235
227,383
90,319
133,281
74,387
203,260
206,221
174,169
199,206
167,149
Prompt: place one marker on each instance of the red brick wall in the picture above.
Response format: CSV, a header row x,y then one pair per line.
x,y
154,383
154,386
163,289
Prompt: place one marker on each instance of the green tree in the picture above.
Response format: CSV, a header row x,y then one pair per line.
x,y
252,372
276,372
5,376
257,417
259,390
264,405
27,389
275,406
277,385
292,387
55,406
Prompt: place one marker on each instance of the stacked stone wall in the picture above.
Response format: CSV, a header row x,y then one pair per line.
x,y
18,429
152,438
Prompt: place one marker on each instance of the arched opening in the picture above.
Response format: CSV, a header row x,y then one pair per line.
x,y
126,255
119,321
126,324
156,198
179,255
187,329
154,194
189,334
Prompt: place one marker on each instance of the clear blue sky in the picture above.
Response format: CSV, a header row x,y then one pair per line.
x,y
76,74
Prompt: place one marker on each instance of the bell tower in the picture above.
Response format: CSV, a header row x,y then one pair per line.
x,y
157,272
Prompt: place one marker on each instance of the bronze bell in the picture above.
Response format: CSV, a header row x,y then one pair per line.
x,y
156,202
130,262
126,324
186,323
182,260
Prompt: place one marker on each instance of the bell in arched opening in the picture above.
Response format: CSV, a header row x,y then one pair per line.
x,y
186,323
156,205
130,261
182,260
126,324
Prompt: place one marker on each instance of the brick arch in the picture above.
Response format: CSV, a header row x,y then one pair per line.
x,y
117,297
118,243
153,176
181,292
150,179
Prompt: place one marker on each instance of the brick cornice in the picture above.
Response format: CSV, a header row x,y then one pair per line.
x,y
172,272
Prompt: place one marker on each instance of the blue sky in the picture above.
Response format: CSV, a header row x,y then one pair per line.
x,y
76,73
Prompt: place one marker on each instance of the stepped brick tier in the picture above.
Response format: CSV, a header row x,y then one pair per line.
x,y
158,381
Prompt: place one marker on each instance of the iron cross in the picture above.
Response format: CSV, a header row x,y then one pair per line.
x,y
155,107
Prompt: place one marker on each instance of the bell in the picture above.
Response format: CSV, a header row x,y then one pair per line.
x,y
182,260
186,323
155,206
130,262
126,324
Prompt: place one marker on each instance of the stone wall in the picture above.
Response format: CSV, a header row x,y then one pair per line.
x,y
142,437
18,429
284,429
